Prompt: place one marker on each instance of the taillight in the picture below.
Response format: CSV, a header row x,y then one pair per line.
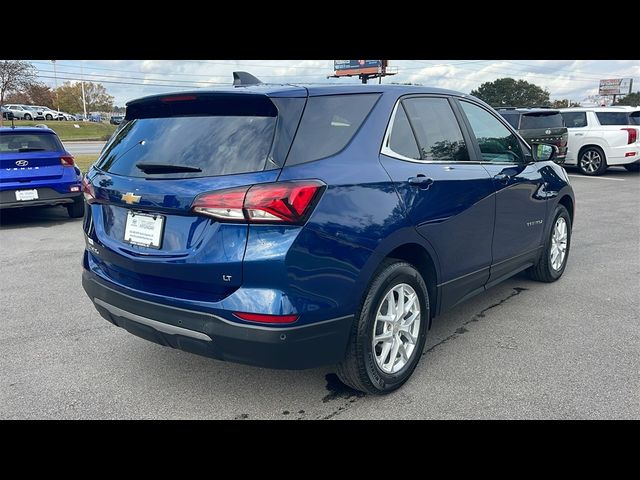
x,y
87,190
262,318
632,135
66,160
282,202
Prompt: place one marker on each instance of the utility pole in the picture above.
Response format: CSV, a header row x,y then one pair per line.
x,y
84,103
55,76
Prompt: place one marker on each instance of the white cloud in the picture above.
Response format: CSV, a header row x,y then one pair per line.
x,y
575,79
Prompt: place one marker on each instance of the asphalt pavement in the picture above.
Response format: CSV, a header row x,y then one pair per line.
x,y
566,350
84,148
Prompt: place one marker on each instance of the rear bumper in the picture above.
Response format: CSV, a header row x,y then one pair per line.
x,y
46,197
307,346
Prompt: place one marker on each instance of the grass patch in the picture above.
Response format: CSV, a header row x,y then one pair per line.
x,y
68,132
85,161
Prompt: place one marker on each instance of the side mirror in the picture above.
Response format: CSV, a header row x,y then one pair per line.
x,y
543,152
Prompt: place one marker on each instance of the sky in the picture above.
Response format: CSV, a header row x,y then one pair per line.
x,y
129,79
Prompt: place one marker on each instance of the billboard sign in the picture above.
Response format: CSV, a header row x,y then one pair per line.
x,y
616,86
357,67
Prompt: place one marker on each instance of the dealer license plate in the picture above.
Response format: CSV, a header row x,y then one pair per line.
x,y
144,229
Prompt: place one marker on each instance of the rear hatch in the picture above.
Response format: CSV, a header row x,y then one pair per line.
x,y
28,156
170,150
545,127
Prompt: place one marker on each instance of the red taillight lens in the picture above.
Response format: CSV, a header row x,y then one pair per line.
x,y
261,318
632,135
66,160
178,98
284,202
224,205
87,190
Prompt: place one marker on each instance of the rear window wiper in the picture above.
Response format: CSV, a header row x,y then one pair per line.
x,y
22,150
152,168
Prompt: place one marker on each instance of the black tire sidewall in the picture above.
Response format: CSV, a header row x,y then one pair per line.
x,y
560,211
403,273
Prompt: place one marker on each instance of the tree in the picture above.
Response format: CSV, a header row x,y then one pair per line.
x,y
35,94
633,100
15,75
564,103
96,97
513,93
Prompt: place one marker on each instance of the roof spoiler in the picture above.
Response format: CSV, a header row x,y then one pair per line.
x,y
244,78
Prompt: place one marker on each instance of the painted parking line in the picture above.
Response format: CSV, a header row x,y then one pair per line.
x,y
598,178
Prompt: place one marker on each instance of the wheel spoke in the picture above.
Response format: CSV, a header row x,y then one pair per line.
x,y
410,338
384,337
403,353
383,355
394,350
400,304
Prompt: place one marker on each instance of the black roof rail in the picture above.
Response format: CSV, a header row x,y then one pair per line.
x,y
244,78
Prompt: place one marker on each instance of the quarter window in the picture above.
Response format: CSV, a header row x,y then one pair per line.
x,y
437,130
401,139
496,142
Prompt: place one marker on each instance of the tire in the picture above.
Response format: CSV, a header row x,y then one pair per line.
x,y
76,209
592,161
544,270
27,116
360,368
633,167
48,116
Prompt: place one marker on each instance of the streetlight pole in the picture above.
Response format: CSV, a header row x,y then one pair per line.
x,y
55,76
84,103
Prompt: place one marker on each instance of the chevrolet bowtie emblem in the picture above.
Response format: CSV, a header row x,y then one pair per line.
x,y
131,198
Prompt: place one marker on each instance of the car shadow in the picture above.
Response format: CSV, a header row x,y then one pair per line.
x,y
34,216
616,172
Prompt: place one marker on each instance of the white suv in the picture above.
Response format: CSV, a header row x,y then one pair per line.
x,y
600,137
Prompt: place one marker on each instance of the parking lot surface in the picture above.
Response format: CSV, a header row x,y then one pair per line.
x,y
84,148
523,349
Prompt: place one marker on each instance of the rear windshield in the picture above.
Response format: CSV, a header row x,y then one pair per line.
x,y
217,145
328,125
541,120
512,118
613,118
575,119
29,142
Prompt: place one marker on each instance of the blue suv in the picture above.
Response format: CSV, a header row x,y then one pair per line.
x,y
37,171
292,226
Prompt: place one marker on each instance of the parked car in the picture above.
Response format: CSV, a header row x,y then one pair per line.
x,y
38,171
47,113
539,125
6,113
116,119
600,137
20,112
95,117
36,113
297,226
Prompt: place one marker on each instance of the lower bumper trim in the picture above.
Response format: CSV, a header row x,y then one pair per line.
x,y
162,327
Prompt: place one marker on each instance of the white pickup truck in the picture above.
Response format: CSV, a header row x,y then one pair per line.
x,y
600,137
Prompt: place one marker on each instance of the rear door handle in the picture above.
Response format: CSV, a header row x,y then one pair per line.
x,y
421,181
502,178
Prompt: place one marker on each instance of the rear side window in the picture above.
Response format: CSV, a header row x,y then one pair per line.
x,y
613,118
28,142
575,119
328,124
541,120
512,118
634,118
437,130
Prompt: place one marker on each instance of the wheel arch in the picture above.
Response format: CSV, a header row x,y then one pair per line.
x,y
567,202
